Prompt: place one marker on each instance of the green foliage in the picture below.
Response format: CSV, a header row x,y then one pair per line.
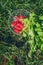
x,y
26,49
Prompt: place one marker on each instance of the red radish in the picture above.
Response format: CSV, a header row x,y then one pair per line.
x,y
17,25
13,23
20,26
15,30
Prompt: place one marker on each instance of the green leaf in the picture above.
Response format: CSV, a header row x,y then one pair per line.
x,y
41,17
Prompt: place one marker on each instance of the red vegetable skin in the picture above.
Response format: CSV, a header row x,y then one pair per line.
x,y
18,28
14,23
18,24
